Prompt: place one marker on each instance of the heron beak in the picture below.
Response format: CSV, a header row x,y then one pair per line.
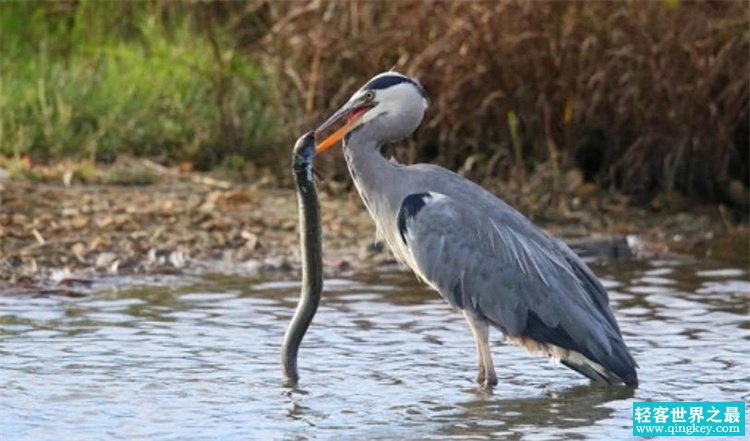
x,y
352,116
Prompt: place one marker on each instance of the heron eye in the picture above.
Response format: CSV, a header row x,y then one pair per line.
x,y
368,96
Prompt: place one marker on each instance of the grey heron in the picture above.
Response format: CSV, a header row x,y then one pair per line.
x,y
312,254
484,257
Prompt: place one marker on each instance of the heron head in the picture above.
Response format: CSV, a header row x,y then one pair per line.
x,y
391,103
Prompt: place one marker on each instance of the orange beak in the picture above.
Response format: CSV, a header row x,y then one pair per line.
x,y
352,117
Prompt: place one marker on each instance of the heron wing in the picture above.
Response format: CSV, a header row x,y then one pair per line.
x,y
501,267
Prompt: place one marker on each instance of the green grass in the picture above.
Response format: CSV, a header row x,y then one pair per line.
x,y
96,79
129,176
645,97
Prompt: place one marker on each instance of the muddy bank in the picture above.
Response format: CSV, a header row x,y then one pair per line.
x,y
52,235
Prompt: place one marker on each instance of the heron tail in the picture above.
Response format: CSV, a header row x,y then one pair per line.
x,y
619,368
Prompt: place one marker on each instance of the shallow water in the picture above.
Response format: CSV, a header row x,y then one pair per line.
x,y
385,359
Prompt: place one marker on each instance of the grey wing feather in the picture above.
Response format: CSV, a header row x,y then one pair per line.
x,y
502,267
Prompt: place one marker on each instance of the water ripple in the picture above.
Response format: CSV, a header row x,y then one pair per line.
x,y
385,359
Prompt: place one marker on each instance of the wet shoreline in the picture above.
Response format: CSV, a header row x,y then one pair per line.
x,y
57,237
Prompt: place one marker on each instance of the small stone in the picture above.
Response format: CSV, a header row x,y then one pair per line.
x,y
70,211
251,240
104,260
177,259
252,266
78,249
79,222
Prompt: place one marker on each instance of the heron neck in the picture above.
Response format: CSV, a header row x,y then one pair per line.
x,y
377,179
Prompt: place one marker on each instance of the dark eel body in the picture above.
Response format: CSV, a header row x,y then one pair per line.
x,y
312,254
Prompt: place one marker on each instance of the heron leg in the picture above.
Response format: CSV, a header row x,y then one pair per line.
x,y
481,331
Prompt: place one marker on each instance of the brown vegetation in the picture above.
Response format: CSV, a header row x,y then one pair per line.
x,y
647,97
54,236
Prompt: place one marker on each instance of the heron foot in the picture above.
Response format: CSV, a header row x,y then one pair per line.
x,y
486,380
481,371
480,376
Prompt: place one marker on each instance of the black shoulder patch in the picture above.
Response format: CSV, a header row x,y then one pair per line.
x,y
387,81
409,208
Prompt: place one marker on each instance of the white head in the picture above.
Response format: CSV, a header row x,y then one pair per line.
x,y
390,106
